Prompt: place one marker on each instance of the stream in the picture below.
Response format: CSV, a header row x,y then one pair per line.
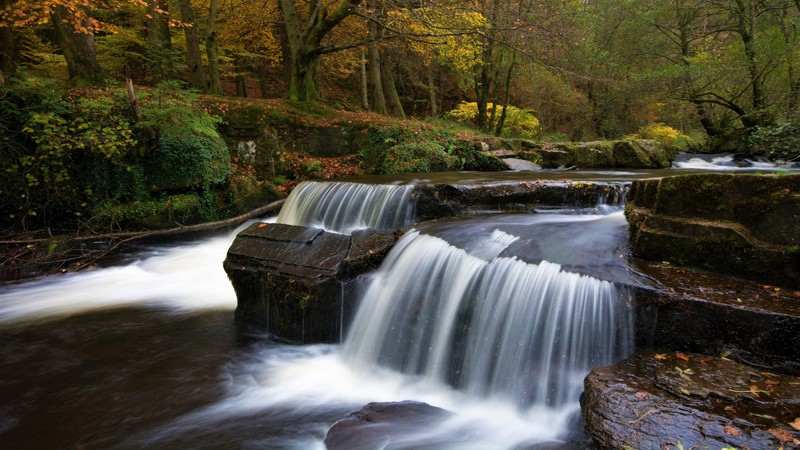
x,y
145,353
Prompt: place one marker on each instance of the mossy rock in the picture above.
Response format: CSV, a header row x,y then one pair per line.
x,y
187,160
743,225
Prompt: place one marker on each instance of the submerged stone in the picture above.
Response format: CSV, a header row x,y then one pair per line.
x,y
389,425
289,280
673,399
743,225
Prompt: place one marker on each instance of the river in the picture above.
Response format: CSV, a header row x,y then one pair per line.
x,y
145,353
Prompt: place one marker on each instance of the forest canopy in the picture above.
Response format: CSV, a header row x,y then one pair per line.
x,y
721,70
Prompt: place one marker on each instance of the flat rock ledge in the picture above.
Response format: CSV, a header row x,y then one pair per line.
x,y
743,225
666,400
434,201
292,281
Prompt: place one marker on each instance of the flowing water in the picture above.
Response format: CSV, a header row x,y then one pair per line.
x,y
496,318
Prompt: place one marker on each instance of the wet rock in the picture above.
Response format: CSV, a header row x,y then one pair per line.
x,y
654,400
388,425
290,280
711,314
744,225
444,200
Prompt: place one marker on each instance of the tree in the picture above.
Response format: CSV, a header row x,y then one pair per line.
x,y
304,36
193,59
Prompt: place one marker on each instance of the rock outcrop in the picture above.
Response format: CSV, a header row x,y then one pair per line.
x,y
291,281
687,400
744,225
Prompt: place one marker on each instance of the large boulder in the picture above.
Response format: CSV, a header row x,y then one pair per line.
x,y
744,225
291,281
686,400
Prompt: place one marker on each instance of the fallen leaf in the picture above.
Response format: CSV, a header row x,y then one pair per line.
x,y
262,225
680,355
795,424
731,431
660,357
782,435
730,409
643,395
754,390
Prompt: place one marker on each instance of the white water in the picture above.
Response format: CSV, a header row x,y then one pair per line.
x,y
343,207
495,328
727,163
185,278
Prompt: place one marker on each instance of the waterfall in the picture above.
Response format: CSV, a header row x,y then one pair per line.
x,y
493,327
343,207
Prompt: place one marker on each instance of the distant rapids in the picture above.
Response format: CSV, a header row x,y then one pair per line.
x,y
344,207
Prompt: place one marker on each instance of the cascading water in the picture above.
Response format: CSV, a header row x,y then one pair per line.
x,y
343,207
494,327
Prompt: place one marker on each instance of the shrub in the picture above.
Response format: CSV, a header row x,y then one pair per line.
x,y
396,149
668,136
519,122
187,159
781,142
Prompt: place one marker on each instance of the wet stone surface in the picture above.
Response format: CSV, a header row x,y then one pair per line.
x,y
291,281
713,314
387,425
654,400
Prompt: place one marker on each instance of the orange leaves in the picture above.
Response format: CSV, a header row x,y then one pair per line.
x,y
783,436
731,431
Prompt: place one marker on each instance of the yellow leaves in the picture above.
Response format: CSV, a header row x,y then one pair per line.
x,y
795,424
452,36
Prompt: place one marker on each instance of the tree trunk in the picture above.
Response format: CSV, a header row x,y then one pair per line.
x,y
304,43
789,30
214,86
241,86
432,93
78,49
263,85
8,49
193,60
375,80
506,95
364,85
159,37
746,22
387,79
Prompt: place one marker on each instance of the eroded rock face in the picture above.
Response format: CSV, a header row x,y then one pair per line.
x,y
290,280
744,225
654,400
